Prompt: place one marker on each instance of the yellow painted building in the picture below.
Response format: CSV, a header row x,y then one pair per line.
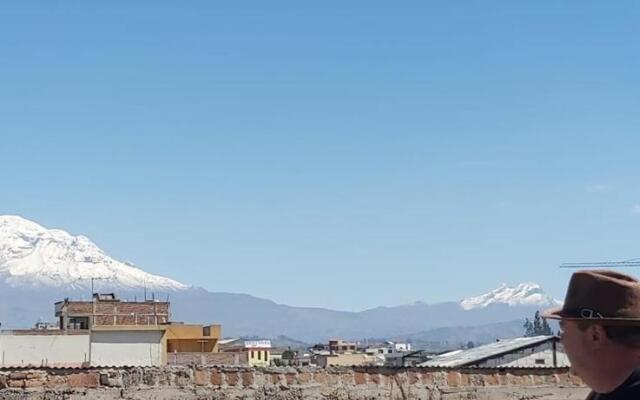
x,y
181,338
258,351
259,357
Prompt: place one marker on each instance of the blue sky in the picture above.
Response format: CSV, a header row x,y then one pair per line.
x,y
338,154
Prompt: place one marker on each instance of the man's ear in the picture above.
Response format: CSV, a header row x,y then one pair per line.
x,y
597,336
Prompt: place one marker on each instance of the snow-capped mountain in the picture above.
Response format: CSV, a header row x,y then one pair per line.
x,y
31,255
39,267
525,294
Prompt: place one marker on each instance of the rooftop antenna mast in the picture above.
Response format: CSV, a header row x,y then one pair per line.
x,y
632,263
92,280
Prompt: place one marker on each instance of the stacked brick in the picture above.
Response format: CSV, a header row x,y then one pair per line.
x,y
231,358
121,312
289,383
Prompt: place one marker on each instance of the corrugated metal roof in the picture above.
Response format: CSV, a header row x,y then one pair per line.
x,y
461,368
227,341
460,358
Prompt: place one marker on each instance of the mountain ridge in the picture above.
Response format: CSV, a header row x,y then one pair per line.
x,y
29,252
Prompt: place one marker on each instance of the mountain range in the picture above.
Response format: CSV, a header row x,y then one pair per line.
x,y
39,266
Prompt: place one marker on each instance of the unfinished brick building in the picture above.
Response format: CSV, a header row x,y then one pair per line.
x,y
107,310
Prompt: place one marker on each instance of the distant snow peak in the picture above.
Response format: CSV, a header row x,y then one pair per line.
x,y
31,255
524,294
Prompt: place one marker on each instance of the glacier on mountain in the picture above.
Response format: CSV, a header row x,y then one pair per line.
x,y
524,294
31,255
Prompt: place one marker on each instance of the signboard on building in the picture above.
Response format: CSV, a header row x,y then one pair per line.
x,y
257,344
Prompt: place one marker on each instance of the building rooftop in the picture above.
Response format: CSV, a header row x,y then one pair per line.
x,y
459,358
128,328
43,332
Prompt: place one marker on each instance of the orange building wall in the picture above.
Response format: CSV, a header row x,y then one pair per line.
x,y
191,339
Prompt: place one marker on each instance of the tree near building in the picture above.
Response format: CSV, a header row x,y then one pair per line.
x,y
537,327
288,354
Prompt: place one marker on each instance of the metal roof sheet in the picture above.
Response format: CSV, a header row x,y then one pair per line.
x,y
460,358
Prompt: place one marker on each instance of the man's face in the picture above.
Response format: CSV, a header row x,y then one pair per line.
x,y
576,347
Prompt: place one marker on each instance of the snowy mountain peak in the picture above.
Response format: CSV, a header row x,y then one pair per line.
x,y
31,255
524,294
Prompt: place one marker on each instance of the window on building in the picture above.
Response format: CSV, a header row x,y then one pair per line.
x,y
266,356
540,361
259,355
78,323
251,353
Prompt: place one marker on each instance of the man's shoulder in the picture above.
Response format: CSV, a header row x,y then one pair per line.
x,y
629,390
633,383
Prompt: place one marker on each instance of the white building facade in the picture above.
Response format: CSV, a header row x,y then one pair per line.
x,y
127,348
56,348
33,348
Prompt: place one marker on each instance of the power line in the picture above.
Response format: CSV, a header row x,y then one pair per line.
x,y
632,263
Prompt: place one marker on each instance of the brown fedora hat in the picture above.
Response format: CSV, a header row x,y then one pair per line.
x,y
605,297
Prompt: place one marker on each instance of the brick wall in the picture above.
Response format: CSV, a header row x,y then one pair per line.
x,y
290,384
186,358
126,313
80,308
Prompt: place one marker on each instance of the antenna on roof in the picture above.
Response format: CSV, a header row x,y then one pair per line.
x,y
632,263
92,280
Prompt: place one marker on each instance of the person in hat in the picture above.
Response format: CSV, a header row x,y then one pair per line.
x,y
600,324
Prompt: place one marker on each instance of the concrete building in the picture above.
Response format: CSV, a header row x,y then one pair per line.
x,y
107,310
258,352
134,333
51,348
344,353
102,346
153,345
128,346
389,353
538,351
301,360
110,332
342,346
